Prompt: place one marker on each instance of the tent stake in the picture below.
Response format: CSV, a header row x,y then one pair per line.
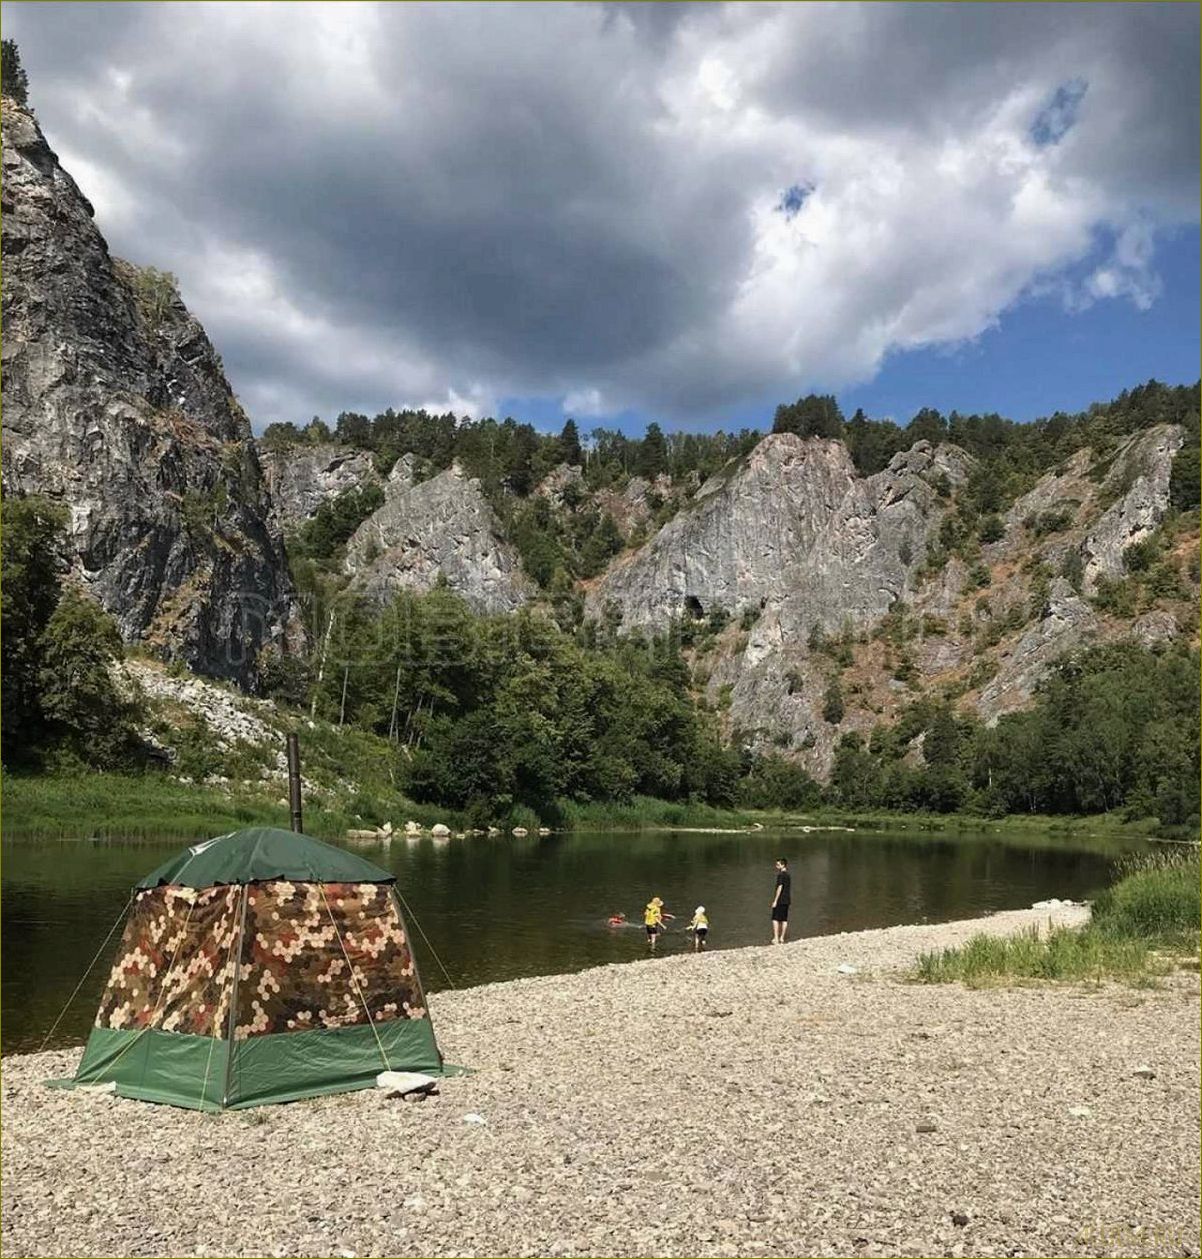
x,y
294,782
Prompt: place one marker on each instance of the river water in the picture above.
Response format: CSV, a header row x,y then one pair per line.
x,y
503,908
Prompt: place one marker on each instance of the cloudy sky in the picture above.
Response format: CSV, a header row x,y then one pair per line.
x,y
671,211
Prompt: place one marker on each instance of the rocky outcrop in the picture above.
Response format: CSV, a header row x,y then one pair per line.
x,y
793,536
1070,510
1066,623
562,484
737,543
1138,481
301,478
441,528
865,557
116,405
811,552
792,525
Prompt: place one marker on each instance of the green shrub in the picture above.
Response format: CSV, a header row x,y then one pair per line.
x,y
832,704
1072,569
1141,555
1117,595
155,292
1155,905
1158,899
992,529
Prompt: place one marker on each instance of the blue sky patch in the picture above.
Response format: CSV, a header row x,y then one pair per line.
x,y
793,198
1056,118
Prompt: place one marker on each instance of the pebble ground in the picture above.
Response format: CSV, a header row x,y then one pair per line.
x,y
746,1102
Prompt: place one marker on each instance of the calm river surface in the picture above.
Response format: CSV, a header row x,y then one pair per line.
x,y
504,908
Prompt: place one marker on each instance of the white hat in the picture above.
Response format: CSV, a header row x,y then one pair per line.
x,y
699,910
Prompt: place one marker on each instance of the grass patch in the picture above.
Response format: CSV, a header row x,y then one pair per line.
x,y
1149,915
155,806
355,787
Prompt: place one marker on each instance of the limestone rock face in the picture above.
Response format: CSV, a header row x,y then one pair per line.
x,y
794,526
860,563
793,535
1067,623
632,506
561,482
1139,477
445,527
116,405
817,555
301,478
740,540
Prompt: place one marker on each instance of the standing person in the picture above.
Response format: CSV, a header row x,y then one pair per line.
x,y
653,919
780,901
700,927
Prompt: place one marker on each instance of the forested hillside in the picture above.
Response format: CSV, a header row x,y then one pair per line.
x,y
485,714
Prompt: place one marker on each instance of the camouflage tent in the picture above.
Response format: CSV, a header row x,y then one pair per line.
x,y
261,966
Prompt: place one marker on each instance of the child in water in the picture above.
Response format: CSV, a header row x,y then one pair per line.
x,y
617,920
653,919
700,927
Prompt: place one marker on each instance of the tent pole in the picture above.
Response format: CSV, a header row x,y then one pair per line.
x,y
294,782
233,1019
417,974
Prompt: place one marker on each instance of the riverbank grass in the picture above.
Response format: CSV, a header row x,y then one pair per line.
x,y
352,789
154,806
1141,928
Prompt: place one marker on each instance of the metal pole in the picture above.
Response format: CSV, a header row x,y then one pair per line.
x,y
294,782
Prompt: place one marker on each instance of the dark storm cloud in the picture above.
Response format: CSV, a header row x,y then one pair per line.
x,y
452,203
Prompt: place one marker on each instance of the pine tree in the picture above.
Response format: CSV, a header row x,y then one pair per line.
x,y
653,452
571,451
14,82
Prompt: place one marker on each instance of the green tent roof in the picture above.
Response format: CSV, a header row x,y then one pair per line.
x,y
261,853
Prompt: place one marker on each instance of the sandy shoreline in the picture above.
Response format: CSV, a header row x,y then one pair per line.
x,y
746,1102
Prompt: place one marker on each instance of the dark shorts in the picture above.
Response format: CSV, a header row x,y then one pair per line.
x,y
653,930
780,913
701,932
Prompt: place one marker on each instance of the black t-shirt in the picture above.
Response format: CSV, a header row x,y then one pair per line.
x,y
784,882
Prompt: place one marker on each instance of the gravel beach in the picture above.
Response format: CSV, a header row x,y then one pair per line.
x,y
748,1102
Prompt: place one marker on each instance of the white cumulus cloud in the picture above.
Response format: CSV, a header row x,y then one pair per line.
x,y
670,208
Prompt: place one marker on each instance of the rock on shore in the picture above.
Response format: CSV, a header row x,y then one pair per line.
x,y
747,1102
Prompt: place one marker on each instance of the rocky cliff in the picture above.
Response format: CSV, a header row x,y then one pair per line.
x,y
837,582
794,527
301,478
812,601
440,528
982,636
115,404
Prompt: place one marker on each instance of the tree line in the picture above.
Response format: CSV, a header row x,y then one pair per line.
x,y
511,458
1113,727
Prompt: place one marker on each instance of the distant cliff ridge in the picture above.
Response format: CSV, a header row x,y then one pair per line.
x,y
115,404
813,601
